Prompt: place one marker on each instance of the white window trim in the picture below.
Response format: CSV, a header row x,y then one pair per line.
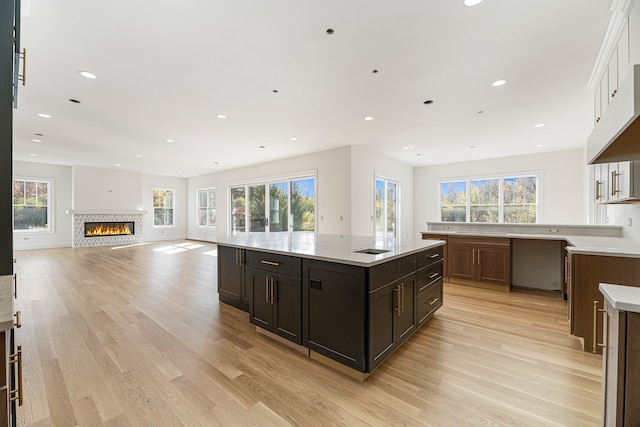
x,y
398,203
197,218
153,208
269,179
539,192
51,205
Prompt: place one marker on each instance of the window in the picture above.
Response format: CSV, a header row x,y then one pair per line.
x,y
511,199
207,207
386,223
163,203
31,202
278,206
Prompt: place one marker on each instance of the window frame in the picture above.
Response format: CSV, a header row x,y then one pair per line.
x,y
385,208
267,182
173,208
198,207
501,205
50,205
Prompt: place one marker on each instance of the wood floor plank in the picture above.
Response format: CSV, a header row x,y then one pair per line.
x,y
135,336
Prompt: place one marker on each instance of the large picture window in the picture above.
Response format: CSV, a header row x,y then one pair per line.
x,y
206,207
283,205
163,207
31,205
508,199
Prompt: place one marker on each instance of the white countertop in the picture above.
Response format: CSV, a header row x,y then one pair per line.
x,y
579,244
328,247
626,298
6,302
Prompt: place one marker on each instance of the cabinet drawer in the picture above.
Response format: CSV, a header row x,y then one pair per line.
x,y
382,274
275,263
430,275
430,256
429,301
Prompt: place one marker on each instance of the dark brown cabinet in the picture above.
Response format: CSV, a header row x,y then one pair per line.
x,y
231,277
480,260
586,273
621,368
391,318
334,299
275,294
444,249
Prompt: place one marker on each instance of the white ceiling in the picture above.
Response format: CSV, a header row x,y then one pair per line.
x,y
167,68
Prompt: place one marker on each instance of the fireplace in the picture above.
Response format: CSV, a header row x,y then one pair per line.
x,y
109,228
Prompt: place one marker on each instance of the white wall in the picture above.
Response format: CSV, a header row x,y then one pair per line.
x,y
333,193
179,185
106,190
61,234
621,214
562,184
365,165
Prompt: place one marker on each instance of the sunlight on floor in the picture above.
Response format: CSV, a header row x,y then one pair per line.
x,y
181,247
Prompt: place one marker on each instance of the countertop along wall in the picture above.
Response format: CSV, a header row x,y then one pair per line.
x,y
563,194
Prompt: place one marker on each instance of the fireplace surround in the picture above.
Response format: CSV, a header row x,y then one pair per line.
x,y
117,229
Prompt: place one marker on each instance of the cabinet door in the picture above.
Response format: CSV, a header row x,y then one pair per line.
x,y
623,53
382,302
287,307
597,106
260,307
231,283
613,75
604,92
632,370
493,265
405,322
623,180
601,182
334,297
461,261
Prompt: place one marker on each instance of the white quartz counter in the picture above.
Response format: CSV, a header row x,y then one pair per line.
x,y
626,298
6,302
328,247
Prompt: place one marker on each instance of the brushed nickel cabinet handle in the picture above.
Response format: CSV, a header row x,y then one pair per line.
x,y
596,310
433,301
266,289
433,275
18,323
270,263
23,76
15,285
434,256
598,183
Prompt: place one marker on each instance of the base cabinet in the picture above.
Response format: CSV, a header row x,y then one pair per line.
x,y
586,273
485,259
231,277
621,368
391,318
275,294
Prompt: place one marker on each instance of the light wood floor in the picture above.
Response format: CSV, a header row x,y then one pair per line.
x,y
136,336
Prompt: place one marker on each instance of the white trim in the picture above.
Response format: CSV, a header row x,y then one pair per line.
x,y
153,209
50,206
197,219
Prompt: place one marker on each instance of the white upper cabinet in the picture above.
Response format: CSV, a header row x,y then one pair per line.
x,y
624,181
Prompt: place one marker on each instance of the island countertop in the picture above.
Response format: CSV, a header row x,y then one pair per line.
x,y
329,247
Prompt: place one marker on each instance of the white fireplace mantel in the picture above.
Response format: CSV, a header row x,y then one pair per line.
x,y
104,212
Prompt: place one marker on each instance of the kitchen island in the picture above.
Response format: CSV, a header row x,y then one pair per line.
x,y
348,301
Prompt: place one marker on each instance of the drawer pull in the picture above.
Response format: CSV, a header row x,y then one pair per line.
x,y
15,285
434,256
596,344
270,263
266,289
433,275
17,393
433,301
18,324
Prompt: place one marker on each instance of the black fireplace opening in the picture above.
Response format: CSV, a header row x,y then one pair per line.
x,y
115,228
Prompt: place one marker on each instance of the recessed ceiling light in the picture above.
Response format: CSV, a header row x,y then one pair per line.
x,y
471,3
472,147
262,146
419,154
408,147
75,101
46,116
33,155
539,125
170,140
368,118
117,164
36,140
216,163
179,172
330,31
430,160
375,71
206,166
293,138
539,146
428,102
480,112
275,91
498,83
138,155
221,116
87,74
